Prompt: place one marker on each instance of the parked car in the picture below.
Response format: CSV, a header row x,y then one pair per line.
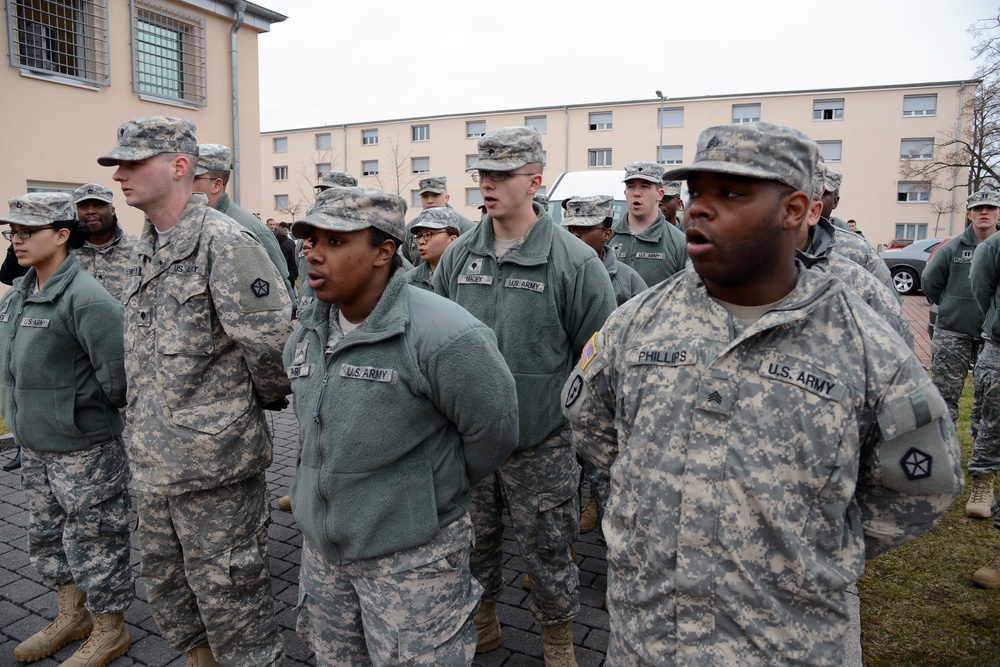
x,y
906,264
895,244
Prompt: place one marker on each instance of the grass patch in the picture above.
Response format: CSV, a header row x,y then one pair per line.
x,y
918,603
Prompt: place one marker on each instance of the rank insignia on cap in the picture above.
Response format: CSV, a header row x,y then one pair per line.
x,y
260,287
712,143
916,464
589,352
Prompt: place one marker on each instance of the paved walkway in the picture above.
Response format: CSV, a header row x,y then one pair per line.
x,y
26,605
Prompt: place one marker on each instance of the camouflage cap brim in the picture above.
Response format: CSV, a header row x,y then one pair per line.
x,y
40,209
436,191
117,155
341,209
301,228
496,165
582,221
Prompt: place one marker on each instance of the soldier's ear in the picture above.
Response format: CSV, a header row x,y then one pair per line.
x,y
795,208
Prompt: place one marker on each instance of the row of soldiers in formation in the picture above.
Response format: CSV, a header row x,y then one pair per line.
x,y
754,424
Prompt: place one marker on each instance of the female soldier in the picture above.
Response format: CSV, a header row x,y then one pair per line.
x,y
433,231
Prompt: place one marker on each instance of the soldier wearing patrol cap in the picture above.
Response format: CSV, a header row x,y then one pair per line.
x,y
205,317
831,195
758,461
211,178
433,193
433,231
958,329
108,252
404,403
671,204
985,278
544,294
336,179
642,237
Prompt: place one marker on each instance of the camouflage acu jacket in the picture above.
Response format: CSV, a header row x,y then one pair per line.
x,y
753,471
206,316
109,263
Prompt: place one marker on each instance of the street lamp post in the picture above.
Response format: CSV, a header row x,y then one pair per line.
x,y
659,121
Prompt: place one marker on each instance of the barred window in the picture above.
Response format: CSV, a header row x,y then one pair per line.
x,y
168,49
67,38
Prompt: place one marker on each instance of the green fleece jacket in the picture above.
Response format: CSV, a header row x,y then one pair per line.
x,y
985,275
62,350
656,254
397,423
946,282
544,299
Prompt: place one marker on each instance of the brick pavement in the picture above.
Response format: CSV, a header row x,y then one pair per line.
x,y
26,605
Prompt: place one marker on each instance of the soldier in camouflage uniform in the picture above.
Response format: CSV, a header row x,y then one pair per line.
x,y
206,315
404,403
433,193
544,294
671,204
62,376
958,330
985,278
758,459
335,179
108,252
642,237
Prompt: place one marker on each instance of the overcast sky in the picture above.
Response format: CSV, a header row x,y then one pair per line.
x,y
343,61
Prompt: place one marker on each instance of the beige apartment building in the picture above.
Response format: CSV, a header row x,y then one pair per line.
x,y
868,133
77,70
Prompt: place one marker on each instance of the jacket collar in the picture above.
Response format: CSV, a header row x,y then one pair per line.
x,y
533,250
391,313
55,285
184,236
651,233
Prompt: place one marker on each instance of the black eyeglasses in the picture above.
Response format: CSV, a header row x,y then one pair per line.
x,y
426,236
496,176
22,233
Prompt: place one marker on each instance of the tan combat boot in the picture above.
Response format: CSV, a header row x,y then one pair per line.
x,y
981,500
588,517
72,623
108,640
557,645
988,576
285,503
487,627
200,656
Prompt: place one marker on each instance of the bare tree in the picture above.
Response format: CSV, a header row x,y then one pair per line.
x,y
940,208
400,164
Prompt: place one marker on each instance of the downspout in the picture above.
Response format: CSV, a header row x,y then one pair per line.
x,y
566,141
345,149
234,56
954,172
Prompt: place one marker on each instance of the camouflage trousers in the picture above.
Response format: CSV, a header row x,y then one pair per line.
x,y
413,607
951,355
204,557
600,485
540,487
78,527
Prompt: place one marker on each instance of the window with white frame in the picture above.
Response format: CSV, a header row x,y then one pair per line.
x,y
913,191
540,123
920,105
280,202
746,113
323,141
828,109
600,120
911,230
281,144
599,157
916,149
369,167
322,168
475,129
281,173
421,165
473,197
831,150
670,155
168,53
471,160
67,39
369,137
420,132
673,117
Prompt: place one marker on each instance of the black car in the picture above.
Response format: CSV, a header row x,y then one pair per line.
x,y
907,264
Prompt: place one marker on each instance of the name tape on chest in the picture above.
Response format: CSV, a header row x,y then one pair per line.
x,y
661,357
650,255
386,375
133,271
475,279
804,376
964,258
35,322
298,371
521,283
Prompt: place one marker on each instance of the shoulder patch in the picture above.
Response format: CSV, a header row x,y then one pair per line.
x,y
589,352
255,275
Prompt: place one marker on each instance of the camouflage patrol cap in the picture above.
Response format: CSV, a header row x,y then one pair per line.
x,y
145,137
672,188
213,157
38,209
340,209
436,184
93,191
832,178
508,148
541,200
982,198
818,184
435,218
588,211
756,150
643,171
337,179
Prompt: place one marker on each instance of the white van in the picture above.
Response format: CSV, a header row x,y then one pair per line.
x,y
587,184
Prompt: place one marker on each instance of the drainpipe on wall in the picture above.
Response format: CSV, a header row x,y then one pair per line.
x,y
566,142
345,149
234,56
